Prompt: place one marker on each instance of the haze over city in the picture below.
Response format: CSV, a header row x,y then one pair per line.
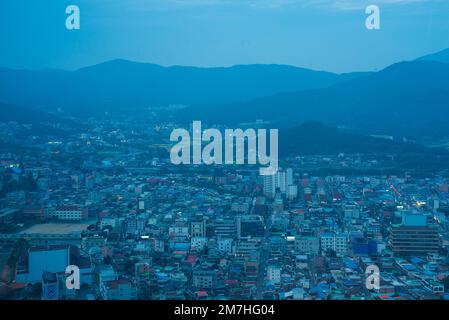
x,y
224,150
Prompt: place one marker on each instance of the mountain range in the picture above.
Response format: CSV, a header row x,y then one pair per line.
x,y
125,86
314,138
440,56
405,99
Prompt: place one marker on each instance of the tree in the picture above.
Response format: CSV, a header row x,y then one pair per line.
x,y
107,260
446,284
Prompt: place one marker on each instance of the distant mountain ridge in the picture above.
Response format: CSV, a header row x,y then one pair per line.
x,y
407,98
26,115
126,86
42,123
314,138
440,56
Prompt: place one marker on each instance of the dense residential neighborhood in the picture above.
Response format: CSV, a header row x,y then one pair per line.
x,y
138,227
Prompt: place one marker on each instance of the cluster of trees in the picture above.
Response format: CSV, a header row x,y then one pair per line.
x,y
9,183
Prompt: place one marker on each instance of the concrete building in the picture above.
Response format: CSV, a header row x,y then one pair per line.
x,y
274,274
204,279
335,242
307,245
414,236
67,212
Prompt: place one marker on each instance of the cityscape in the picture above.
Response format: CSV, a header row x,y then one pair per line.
x,y
139,227
344,196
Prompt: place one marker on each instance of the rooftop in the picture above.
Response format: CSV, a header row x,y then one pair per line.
x,y
56,228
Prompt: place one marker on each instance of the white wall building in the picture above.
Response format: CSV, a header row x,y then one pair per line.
x,y
225,245
335,242
274,274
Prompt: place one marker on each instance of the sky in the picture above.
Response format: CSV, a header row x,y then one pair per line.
x,y
325,35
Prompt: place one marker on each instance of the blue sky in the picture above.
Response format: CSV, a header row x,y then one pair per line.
x,y
318,34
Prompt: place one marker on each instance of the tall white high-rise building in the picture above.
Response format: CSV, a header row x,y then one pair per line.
x,y
269,185
289,176
292,192
282,181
